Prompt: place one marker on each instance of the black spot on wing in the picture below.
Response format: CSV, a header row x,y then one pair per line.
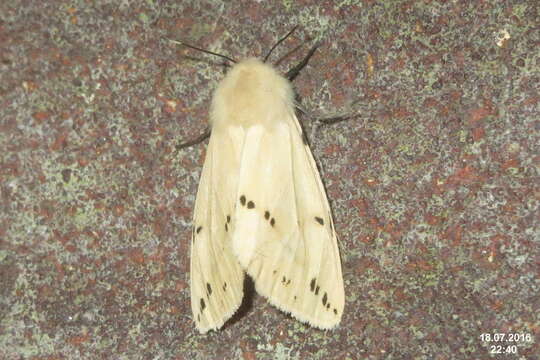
x,y
243,201
319,220
227,223
317,290
199,229
335,311
203,305
208,289
224,286
312,284
267,217
324,299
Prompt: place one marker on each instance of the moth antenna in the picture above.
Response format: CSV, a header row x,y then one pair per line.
x,y
279,42
203,50
327,120
293,73
195,141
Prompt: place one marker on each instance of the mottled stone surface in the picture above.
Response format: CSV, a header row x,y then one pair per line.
x,y
434,185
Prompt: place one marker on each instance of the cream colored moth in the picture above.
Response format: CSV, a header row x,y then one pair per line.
x,y
261,208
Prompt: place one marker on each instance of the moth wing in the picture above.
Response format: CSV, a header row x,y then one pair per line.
x,y
284,235
216,276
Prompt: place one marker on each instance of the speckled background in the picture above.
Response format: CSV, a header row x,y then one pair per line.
x,y
434,185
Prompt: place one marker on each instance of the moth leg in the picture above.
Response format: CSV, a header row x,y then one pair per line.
x,y
316,122
336,118
195,141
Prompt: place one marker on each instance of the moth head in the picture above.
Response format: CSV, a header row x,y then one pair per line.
x,y
250,87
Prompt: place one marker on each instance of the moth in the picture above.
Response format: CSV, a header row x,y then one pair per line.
x,y
261,208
